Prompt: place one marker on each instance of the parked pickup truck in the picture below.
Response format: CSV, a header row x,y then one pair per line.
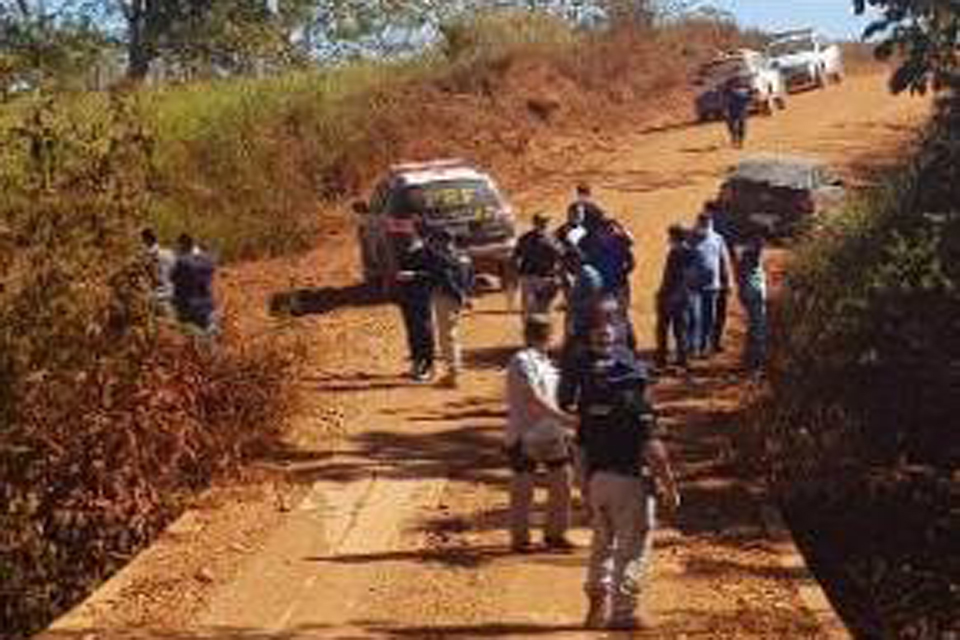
x,y
806,60
766,83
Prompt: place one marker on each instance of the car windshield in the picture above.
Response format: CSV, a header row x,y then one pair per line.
x,y
723,68
790,47
445,198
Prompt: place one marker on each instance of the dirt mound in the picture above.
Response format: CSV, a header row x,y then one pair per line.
x,y
492,111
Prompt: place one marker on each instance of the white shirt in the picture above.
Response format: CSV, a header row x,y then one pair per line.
x,y
528,369
164,261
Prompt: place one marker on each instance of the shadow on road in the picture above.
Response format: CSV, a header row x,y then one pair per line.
x,y
321,300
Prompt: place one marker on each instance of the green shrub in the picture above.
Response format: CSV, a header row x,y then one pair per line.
x,y
107,418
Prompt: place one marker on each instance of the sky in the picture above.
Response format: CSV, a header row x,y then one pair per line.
x,y
834,18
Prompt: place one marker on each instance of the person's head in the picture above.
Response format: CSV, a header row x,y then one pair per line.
x,y
606,310
149,238
602,338
584,192
416,201
712,207
537,331
185,243
676,235
541,222
705,221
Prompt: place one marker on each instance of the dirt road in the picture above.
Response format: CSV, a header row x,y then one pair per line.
x,y
398,532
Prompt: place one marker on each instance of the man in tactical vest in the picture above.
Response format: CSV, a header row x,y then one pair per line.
x,y
625,463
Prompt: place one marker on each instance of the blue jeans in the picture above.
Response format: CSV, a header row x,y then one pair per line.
x,y
702,317
755,306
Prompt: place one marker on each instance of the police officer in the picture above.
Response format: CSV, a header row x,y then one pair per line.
x,y
623,463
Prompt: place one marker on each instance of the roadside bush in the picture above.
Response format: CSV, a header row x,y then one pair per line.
x,y
107,418
865,389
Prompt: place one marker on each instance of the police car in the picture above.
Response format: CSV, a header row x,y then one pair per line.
x,y
423,197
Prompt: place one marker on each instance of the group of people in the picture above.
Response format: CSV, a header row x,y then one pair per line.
x,y
692,301
587,420
588,258
182,282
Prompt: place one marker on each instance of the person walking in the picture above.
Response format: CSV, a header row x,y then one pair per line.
x,y
192,278
452,273
736,106
609,248
709,254
673,299
752,287
538,259
583,213
414,291
625,463
162,261
537,436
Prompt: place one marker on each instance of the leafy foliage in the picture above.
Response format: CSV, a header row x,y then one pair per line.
x,y
861,418
924,33
106,417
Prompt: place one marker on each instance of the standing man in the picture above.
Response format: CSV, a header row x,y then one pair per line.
x,y
624,461
753,296
736,106
673,299
538,261
453,276
709,253
162,261
537,435
414,290
609,248
584,210
192,278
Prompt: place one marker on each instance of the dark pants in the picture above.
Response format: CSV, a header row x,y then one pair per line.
x,y
720,321
755,351
672,318
737,125
418,322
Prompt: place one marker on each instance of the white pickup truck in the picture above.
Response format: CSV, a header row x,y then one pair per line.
x,y
806,59
766,83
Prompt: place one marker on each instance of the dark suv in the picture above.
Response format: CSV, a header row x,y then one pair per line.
x,y
418,198
777,196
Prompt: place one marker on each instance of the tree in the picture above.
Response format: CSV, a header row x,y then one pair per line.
x,y
924,32
46,44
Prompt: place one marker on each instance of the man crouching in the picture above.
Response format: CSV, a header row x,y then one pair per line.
x,y
625,464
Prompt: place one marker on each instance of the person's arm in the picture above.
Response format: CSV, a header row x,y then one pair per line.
x,y
537,403
659,461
